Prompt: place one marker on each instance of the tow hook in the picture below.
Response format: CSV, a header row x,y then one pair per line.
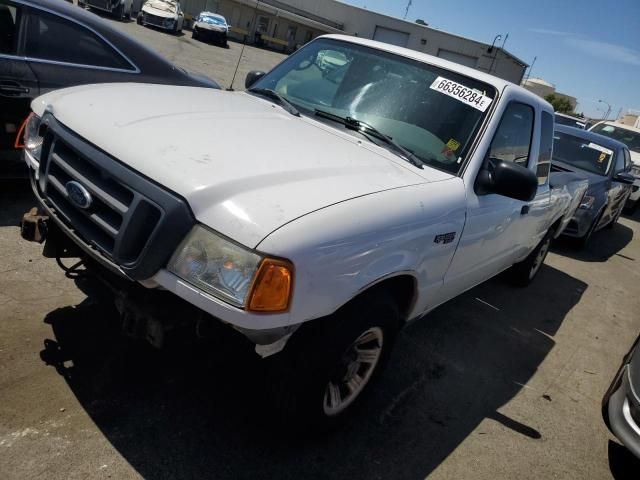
x,y
33,226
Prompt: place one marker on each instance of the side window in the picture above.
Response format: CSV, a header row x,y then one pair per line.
x,y
9,21
620,162
627,161
49,38
512,141
546,148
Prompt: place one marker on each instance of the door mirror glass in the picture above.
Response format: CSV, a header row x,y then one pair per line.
x,y
252,77
624,177
507,178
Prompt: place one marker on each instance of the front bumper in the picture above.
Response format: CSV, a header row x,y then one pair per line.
x,y
157,21
622,412
579,225
635,193
262,329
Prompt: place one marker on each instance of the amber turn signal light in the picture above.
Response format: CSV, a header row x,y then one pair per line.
x,y
271,290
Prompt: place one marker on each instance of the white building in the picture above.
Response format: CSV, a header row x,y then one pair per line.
x,y
288,24
542,88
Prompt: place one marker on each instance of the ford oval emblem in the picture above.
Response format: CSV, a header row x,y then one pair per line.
x,y
78,195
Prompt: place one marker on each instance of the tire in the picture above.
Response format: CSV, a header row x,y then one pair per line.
x,y
524,272
613,222
582,242
317,381
119,12
630,210
194,34
139,18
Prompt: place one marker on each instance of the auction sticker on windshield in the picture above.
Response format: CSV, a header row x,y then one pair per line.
x,y
470,96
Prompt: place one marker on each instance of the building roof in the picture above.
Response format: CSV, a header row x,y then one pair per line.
x,y
539,81
497,82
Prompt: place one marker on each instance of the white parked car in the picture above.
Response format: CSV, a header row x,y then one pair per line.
x,y
315,214
211,27
120,8
630,136
165,14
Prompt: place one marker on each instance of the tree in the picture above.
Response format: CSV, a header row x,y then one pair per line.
x,y
559,104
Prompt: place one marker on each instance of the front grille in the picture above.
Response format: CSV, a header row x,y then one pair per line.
x,y
130,220
154,20
103,4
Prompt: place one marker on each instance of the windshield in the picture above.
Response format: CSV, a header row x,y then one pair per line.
x,y
581,153
571,122
431,112
213,20
630,138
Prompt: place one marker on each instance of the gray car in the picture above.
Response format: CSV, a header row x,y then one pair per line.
x,y
621,403
606,164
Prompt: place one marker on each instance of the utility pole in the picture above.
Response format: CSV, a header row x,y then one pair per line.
x,y
406,11
530,68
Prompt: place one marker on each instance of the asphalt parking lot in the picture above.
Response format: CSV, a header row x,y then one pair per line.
x,y
498,383
216,62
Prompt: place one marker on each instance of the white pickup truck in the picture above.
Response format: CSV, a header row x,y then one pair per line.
x,y
316,213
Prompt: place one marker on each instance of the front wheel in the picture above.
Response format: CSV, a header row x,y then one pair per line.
x,y
523,273
139,18
632,208
322,374
119,12
582,242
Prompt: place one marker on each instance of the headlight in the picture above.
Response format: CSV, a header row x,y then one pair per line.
x,y
587,202
635,170
31,138
232,272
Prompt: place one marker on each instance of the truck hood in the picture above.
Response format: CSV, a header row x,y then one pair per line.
x,y
244,165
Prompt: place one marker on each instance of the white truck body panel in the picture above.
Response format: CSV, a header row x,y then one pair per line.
x,y
346,212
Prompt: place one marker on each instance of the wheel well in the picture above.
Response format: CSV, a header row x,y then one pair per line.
x,y
402,289
556,225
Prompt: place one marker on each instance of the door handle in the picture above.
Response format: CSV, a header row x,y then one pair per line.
x,y
13,89
525,209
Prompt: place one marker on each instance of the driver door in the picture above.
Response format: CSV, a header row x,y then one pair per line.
x,y
498,229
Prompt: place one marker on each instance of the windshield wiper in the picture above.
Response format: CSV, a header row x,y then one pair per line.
x,y
273,95
368,129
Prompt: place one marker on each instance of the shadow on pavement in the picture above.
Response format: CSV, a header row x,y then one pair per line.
x,y
16,198
623,464
198,410
603,245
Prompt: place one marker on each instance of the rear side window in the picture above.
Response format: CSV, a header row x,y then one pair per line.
x,y
512,140
51,38
546,148
8,28
627,160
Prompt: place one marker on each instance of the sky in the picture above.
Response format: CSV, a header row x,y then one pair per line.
x,y
589,49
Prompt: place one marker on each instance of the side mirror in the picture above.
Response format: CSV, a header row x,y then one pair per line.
x,y
252,77
508,179
624,177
